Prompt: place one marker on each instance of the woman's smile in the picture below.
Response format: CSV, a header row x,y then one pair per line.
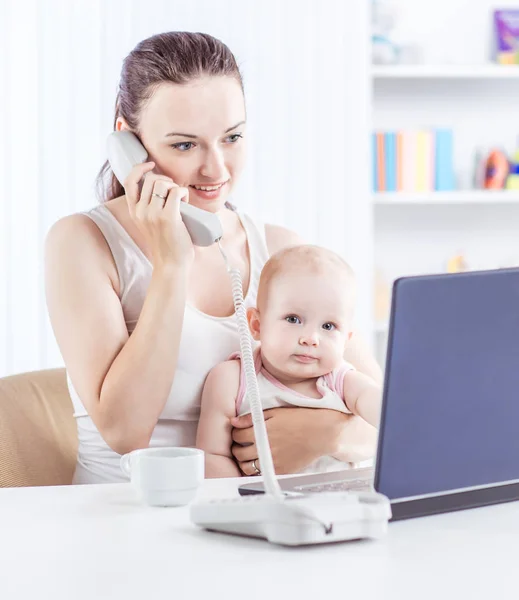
x,y
208,192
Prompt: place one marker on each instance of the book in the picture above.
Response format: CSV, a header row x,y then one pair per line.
x,y
409,159
413,160
399,162
424,162
381,161
444,161
506,36
374,162
390,156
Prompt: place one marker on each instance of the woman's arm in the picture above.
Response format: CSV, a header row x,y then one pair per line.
x,y
299,436
122,381
214,427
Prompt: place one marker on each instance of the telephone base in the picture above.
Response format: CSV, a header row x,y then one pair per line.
x,y
296,521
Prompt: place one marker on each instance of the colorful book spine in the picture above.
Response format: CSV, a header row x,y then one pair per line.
x,y
409,149
399,162
413,161
374,162
381,162
390,160
444,171
506,36
424,161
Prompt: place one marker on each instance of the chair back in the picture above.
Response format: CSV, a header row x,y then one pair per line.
x,y
38,433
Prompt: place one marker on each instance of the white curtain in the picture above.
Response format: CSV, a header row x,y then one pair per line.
x,y
305,68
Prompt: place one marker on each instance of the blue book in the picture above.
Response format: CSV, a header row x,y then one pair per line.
x,y
444,160
374,161
390,156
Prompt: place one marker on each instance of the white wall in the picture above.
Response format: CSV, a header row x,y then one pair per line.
x,y
306,78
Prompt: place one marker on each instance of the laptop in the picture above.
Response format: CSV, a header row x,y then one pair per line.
x,y
449,430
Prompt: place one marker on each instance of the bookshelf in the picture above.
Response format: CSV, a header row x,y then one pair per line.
x,y
457,198
418,232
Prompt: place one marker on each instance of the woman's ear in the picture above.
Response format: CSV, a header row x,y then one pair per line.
x,y
121,124
253,317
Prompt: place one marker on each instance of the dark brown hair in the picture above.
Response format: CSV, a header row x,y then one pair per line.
x,y
173,57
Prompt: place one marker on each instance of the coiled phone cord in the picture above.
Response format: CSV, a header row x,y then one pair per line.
x,y
260,431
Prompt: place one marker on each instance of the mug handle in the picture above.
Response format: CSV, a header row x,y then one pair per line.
x,y
126,464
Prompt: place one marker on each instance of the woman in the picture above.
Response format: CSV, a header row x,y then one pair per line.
x,y
139,313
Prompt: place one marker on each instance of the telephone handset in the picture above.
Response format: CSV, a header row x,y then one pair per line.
x,y
125,151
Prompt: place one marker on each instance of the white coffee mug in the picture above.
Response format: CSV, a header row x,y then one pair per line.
x,y
167,476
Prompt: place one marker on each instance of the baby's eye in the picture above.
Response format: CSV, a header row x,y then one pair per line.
x,y
329,326
183,146
293,319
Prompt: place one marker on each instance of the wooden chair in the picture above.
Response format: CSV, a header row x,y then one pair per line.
x,y
38,435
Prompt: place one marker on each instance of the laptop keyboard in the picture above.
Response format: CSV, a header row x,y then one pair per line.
x,y
361,485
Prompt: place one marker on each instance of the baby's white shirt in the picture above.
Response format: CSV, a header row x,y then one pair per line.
x,y
274,394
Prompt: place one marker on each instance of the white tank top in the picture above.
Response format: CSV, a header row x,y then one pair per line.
x,y
274,394
205,341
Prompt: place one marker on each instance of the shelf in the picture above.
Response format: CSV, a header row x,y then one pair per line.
x,y
460,197
487,71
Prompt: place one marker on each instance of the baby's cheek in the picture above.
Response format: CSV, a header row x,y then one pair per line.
x,y
280,344
274,346
338,347
280,335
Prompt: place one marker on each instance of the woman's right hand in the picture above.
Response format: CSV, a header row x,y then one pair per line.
x,y
156,211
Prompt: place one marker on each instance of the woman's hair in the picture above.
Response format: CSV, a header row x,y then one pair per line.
x,y
173,57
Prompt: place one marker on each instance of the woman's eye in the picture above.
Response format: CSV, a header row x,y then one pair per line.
x,y
293,319
329,326
183,146
234,137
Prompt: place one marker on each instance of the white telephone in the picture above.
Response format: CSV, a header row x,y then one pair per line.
x,y
125,151
315,519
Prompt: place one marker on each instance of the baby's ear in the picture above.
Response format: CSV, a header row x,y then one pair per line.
x,y
348,338
253,317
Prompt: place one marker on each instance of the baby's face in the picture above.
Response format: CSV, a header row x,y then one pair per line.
x,y
305,324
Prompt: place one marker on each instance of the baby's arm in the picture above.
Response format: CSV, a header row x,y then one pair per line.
x,y
214,428
363,396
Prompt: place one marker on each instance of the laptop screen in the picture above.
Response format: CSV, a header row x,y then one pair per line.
x,y
450,418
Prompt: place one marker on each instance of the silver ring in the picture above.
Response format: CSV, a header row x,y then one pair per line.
x,y
159,196
256,470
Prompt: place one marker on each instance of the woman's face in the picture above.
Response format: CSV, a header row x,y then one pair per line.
x,y
195,134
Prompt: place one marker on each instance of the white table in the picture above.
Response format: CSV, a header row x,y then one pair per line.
x,y
95,542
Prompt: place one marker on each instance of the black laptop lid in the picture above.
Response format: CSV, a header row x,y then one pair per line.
x,y
450,418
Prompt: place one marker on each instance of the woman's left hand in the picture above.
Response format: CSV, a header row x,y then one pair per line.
x,y
297,436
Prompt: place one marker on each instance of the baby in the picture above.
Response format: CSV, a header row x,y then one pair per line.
x,y
303,321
